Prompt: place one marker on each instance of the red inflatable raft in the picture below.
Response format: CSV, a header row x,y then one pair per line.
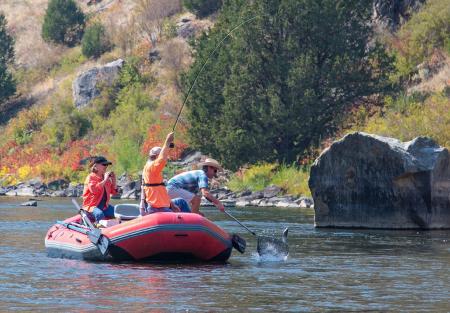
x,y
158,236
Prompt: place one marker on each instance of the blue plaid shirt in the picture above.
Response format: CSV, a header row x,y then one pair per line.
x,y
191,181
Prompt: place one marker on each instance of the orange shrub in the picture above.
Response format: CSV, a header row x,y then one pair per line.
x,y
157,134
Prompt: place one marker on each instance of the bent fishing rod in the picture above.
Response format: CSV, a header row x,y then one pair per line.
x,y
201,69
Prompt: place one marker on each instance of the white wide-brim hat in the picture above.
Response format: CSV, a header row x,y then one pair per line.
x,y
211,162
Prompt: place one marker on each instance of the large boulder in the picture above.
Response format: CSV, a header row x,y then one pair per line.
x,y
371,181
84,87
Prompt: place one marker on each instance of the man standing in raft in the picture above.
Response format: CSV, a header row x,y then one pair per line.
x,y
154,197
98,188
187,185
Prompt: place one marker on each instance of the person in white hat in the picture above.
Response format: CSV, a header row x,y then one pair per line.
x,y
192,185
154,197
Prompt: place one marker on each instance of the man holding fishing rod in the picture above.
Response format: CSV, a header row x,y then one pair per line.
x,y
154,197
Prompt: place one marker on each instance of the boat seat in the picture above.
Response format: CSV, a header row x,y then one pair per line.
x,y
126,211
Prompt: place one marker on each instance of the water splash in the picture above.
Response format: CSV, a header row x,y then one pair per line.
x,y
271,253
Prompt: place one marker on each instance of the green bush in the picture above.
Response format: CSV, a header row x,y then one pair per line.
x,y
427,30
7,82
66,124
169,28
69,62
127,126
254,178
63,22
128,156
95,41
202,8
407,117
291,179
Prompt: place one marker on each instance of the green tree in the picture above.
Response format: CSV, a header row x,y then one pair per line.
x,y
202,8
7,83
282,82
63,22
95,41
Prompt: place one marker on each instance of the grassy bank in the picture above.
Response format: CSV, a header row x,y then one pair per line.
x,y
293,180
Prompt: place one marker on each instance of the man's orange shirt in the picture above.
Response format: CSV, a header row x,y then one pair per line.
x,y
156,196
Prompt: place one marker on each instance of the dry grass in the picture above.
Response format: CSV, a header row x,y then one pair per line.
x,y
438,81
24,21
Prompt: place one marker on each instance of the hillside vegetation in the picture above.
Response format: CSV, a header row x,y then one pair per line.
x,y
297,75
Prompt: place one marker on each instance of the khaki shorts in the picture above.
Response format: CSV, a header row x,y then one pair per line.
x,y
175,192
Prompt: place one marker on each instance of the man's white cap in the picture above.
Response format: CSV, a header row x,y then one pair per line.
x,y
154,151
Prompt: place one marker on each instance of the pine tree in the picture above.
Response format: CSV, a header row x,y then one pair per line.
x,y
95,41
63,22
7,83
282,82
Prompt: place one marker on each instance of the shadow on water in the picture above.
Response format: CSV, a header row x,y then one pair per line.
x,y
327,269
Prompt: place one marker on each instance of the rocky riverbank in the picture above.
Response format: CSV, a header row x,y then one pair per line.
x,y
130,189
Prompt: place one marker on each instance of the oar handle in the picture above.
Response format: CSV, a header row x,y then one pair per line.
x,y
240,223
84,217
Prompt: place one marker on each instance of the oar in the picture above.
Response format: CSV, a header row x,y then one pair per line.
x,y
267,245
76,227
94,234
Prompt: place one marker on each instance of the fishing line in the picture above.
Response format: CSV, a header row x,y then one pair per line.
x,y
203,66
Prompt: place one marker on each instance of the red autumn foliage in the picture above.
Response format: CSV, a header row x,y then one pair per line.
x,y
75,152
156,136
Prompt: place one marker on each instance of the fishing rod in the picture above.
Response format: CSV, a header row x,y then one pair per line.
x,y
201,69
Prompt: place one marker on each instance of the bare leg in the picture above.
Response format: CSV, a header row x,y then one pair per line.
x,y
195,204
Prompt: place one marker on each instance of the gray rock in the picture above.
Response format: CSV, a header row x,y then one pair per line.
x,y
186,30
58,193
123,180
154,55
84,87
305,202
256,202
266,203
257,195
371,181
287,204
22,192
242,203
193,157
223,193
58,184
35,182
130,194
129,189
226,203
244,193
29,203
271,191
74,190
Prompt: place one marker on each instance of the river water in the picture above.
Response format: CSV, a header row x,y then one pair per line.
x,y
326,271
